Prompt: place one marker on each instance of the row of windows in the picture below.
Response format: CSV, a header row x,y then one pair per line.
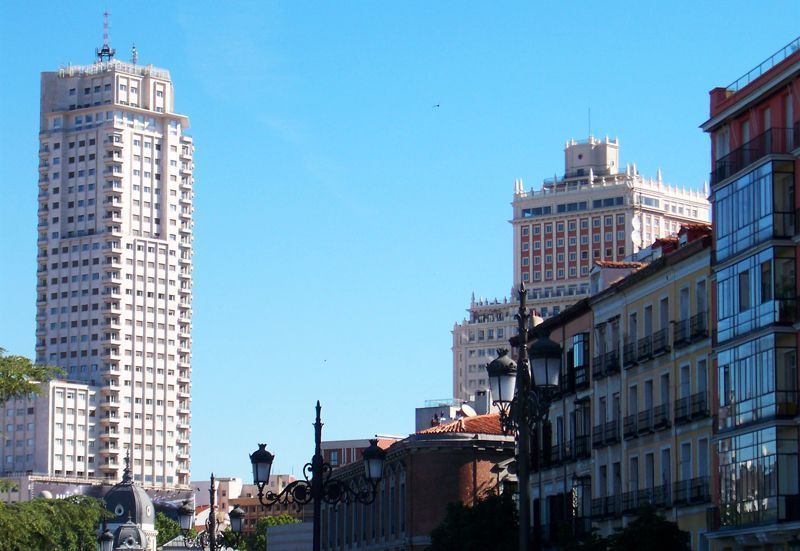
x,y
756,292
572,207
754,207
572,224
548,243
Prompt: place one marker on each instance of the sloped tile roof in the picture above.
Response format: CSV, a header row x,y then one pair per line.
x,y
480,424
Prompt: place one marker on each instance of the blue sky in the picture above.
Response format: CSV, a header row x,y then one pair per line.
x,y
342,221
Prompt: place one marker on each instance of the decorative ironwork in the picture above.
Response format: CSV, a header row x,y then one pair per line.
x,y
319,486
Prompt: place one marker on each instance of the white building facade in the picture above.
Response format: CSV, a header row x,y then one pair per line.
x,y
595,211
114,285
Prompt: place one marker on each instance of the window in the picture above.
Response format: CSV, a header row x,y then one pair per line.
x,y
754,208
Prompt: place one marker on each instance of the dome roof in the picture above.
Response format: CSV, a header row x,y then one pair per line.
x,y
128,502
130,536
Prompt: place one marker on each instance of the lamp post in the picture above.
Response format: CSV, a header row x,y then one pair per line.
x,y
524,391
211,539
318,485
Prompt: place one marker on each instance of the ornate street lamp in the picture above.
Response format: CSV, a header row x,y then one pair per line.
x,y
212,538
318,485
524,391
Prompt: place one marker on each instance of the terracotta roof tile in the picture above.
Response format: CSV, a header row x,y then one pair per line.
x,y
480,424
697,226
619,264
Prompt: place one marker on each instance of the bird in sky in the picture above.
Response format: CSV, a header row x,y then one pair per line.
x,y
437,105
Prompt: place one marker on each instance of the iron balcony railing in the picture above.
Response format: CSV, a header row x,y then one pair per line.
x,y
661,341
691,491
598,371
611,432
605,434
630,426
772,141
683,410
661,417
629,356
645,424
657,497
699,326
597,436
583,449
682,333
607,507
645,348
700,407
611,362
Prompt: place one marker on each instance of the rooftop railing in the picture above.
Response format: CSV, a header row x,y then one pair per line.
x,y
764,66
114,64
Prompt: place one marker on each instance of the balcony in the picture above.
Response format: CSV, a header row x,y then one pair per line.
x,y
607,507
629,357
598,371
597,436
700,407
699,326
683,410
661,342
645,348
661,417
773,141
682,335
659,497
611,432
692,491
581,447
645,424
630,426
611,362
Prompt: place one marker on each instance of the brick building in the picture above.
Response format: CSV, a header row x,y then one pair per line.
x,y
422,474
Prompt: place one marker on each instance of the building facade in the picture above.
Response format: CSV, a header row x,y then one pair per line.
x,y
631,422
595,211
422,474
114,280
755,145
475,339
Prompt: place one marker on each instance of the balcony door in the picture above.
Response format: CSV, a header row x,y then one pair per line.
x,y
686,382
683,301
666,467
686,461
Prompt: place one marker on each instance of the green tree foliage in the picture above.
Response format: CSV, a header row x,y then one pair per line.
x,y
20,376
257,541
658,533
168,529
68,524
491,524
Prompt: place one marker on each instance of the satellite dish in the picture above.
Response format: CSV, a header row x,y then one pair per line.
x,y
467,410
636,223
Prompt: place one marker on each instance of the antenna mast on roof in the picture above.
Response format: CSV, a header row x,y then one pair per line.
x,y
106,52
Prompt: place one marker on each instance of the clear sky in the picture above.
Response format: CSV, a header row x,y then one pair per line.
x,y
341,221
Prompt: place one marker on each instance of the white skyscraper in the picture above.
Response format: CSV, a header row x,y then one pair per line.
x,y
114,289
